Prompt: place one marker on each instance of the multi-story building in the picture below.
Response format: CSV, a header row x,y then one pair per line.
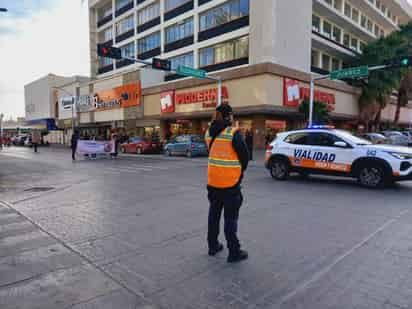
x,y
308,35
264,50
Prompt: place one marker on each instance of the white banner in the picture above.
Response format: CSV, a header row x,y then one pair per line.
x,y
95,147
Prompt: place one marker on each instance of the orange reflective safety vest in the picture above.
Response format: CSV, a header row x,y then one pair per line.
x,y
224,168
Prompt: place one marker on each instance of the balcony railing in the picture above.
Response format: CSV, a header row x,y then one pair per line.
x,y
150,54
225,28
150,24
104,20
124,9
179,10
179,44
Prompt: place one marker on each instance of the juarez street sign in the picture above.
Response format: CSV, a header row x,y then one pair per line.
x,y
361,71
187,71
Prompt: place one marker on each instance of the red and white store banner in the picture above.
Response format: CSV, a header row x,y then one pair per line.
x,y
293,94
167,102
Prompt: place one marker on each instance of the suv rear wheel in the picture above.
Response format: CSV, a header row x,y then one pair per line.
x,y
372,175
279,169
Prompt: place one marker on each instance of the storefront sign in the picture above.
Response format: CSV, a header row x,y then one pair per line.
x,y
207,97
276,124
167,102
123,96
293,94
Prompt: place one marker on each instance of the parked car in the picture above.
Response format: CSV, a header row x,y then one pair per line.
x,y
397,138
188,145
19,140
376,138
141,145
408,134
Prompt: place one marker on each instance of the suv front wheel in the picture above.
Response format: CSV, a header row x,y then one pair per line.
x,y
279,169
373,176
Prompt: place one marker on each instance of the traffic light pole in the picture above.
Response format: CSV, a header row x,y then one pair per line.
x,y
313,79
217,79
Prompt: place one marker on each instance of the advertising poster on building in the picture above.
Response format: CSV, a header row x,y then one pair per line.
x,y
95,147
291,95
167,102
119,97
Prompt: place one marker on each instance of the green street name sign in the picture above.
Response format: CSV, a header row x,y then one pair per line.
x,y
350,73
187,71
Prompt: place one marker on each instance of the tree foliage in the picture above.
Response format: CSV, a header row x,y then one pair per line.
x,y
377,90
320,111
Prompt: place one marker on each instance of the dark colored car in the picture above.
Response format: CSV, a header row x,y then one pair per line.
x,y
187,145
141,145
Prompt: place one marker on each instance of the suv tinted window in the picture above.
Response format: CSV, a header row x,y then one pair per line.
x,y
324,139
298,138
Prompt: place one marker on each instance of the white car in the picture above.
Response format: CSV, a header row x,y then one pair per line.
x,y
320,150
396,138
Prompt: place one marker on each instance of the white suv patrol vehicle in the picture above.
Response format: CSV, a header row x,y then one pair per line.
x,y
320,150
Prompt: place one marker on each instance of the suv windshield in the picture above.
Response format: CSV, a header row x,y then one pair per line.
x,y
352,138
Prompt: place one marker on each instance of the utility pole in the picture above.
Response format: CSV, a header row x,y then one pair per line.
x,y
1,130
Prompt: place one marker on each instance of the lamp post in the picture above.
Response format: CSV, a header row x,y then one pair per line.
x,y
1,130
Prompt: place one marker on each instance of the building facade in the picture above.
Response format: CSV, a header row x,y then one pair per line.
x,y
310,35
265,50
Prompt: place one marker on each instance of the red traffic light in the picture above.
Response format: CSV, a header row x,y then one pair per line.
x,y
161,64
105,50
109,52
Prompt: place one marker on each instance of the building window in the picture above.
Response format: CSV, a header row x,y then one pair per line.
x,y
315,59
329,2
224,52
149,43
224,13
346,40
337,34
354,43
125,25
148,13
104,12
363,21
335,64
338,5
316,23
128,50
325,62
327,29
186,60
355,15
172,4
104,62
348,10
106,35
376,30
179,31
362,46
121,3
370,25
382,34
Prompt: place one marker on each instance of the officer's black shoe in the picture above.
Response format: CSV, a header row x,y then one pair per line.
x,y
216,250
237,257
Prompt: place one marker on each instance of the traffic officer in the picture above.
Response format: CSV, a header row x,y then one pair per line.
x,y
228,160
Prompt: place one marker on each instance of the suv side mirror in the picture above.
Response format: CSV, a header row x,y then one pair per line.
x,y
340,144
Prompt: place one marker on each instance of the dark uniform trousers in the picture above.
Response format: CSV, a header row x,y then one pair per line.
x,y
230,202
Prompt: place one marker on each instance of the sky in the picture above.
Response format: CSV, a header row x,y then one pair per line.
x,y
38,37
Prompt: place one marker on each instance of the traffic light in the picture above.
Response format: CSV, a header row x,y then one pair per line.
x,y
161,64
109,52
401,62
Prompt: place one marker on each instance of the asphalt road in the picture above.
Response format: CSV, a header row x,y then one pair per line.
x,y
130,233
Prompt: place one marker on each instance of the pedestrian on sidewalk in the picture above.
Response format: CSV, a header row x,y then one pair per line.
x,y
249,143
228,160
115,146
35,139
73,143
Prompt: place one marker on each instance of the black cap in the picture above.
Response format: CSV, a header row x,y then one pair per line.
x,y
225,110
